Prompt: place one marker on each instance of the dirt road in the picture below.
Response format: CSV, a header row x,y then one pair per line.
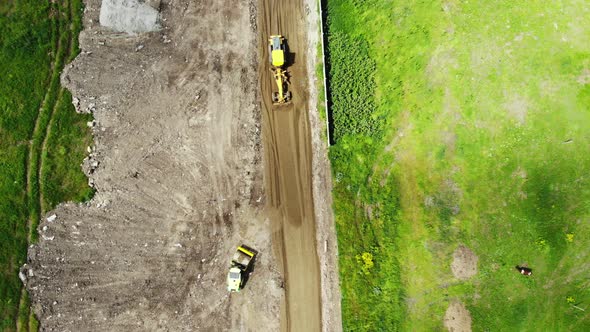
x,y
288,153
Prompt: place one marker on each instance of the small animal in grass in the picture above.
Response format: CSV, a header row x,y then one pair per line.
x,y
525,271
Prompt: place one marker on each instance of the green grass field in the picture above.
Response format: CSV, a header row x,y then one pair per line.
x,y
42,139
461,123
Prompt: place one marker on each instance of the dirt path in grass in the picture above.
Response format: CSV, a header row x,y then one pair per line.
x,y
67,51
41,130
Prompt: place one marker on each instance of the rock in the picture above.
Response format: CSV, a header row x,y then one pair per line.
x,y
48,238
22,277
139,48
51,218
131,16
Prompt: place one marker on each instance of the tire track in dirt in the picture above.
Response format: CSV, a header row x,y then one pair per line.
x,y
37,195
68,14
288,153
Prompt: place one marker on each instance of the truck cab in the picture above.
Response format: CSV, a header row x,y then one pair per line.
x,y
234,279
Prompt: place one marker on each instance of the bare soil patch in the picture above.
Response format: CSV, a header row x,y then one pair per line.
x,y
517,107
584,77
457,318
464,265
176,163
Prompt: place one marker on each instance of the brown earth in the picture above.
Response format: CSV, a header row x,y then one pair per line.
x,y
457,318
288,173
180,181
464,265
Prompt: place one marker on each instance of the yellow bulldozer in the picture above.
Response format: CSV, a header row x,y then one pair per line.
x,y
277,62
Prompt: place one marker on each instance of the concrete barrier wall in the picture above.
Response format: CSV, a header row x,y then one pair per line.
x,y
322,39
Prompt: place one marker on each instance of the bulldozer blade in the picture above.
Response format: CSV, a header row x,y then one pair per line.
x,y
286,100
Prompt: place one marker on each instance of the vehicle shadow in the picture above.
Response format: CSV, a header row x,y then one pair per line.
x,y
250,269
289,56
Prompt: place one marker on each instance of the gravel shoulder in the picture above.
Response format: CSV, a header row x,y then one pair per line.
x,y
327,242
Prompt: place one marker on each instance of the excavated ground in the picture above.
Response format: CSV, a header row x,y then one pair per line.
x,y
180,178
293,165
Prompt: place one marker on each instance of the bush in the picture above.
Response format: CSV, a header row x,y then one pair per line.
x,y
352,86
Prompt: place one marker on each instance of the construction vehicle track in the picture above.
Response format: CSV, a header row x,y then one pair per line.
x,y
288,176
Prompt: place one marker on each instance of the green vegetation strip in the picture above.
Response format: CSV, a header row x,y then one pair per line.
x,y
461,123
42,139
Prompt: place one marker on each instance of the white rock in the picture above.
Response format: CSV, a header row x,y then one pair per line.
x,y
131,16
51,218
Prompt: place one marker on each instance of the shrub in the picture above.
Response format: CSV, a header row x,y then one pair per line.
x,y
352,86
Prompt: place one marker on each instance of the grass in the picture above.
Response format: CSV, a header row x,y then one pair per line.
x,y
37,122
461,123
62,182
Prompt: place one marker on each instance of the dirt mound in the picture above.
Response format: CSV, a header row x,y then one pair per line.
x,y
464,265
457,318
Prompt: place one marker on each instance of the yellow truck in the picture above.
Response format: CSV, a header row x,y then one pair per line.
x,y
277,54
240,268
